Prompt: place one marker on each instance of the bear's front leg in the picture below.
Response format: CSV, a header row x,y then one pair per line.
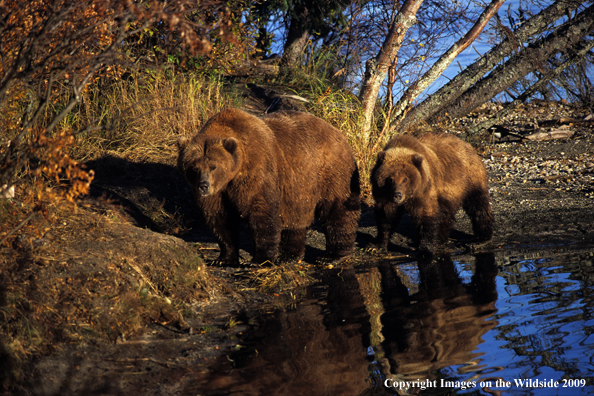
x,y
264,222
478,208
427,219
229,256
448,215
293,244
387,218
225,225
383,228
428,233
426,215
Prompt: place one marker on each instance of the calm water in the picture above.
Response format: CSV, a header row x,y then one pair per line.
x,y
452,325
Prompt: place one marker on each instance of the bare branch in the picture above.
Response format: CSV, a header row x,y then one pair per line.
x,y
577,56
435,103
531,58
446,59
74,100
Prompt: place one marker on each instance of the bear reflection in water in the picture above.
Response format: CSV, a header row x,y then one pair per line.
x,y
368,328
440,325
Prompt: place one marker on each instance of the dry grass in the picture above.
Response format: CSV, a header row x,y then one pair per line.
x,y
273,278
137,119
144,115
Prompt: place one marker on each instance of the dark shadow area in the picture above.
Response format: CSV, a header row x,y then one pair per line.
x,y
157,197
152,195
401,242
404,236
461,237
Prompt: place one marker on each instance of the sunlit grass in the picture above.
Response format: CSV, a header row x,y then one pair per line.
x,y
142,116
270,278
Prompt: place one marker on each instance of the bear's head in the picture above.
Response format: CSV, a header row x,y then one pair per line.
x,y
399,174
208,163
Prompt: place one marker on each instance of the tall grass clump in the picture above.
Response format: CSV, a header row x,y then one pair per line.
x,y
140,117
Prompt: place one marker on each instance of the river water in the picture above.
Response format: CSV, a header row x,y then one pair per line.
x,y
471,324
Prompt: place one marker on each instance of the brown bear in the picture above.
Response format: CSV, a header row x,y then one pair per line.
x,y
430,178
278,172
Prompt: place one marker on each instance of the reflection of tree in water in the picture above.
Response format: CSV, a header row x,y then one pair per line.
x,y
366,329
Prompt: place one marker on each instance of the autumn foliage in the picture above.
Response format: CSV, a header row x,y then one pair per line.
x,y
51,51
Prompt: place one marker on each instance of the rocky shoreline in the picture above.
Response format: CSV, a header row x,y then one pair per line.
x,y
543,191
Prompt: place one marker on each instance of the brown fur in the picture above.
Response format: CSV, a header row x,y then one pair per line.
x,y
279,173
430,178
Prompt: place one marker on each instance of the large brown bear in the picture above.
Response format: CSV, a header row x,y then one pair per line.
x,y
430,178
278,173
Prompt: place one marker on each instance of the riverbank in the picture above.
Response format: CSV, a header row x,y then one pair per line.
x,y
117,297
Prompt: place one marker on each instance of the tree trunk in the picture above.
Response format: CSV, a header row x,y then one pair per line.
x,y
376,68
464,80
534,57
297,36
261,15
445,60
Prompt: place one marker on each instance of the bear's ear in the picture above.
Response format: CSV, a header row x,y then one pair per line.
x,y
181,143
230,145
417,160
381,156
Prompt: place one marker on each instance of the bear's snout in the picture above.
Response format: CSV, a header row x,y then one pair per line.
x,y
396,190
203,188
203,185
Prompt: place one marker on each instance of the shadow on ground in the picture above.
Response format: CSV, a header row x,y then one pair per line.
x,y
150,195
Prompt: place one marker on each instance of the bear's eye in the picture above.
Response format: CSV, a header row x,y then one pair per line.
x,y
191,174
212,167
405,180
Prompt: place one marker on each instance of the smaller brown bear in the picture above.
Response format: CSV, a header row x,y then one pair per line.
x,y
278,173
430,178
